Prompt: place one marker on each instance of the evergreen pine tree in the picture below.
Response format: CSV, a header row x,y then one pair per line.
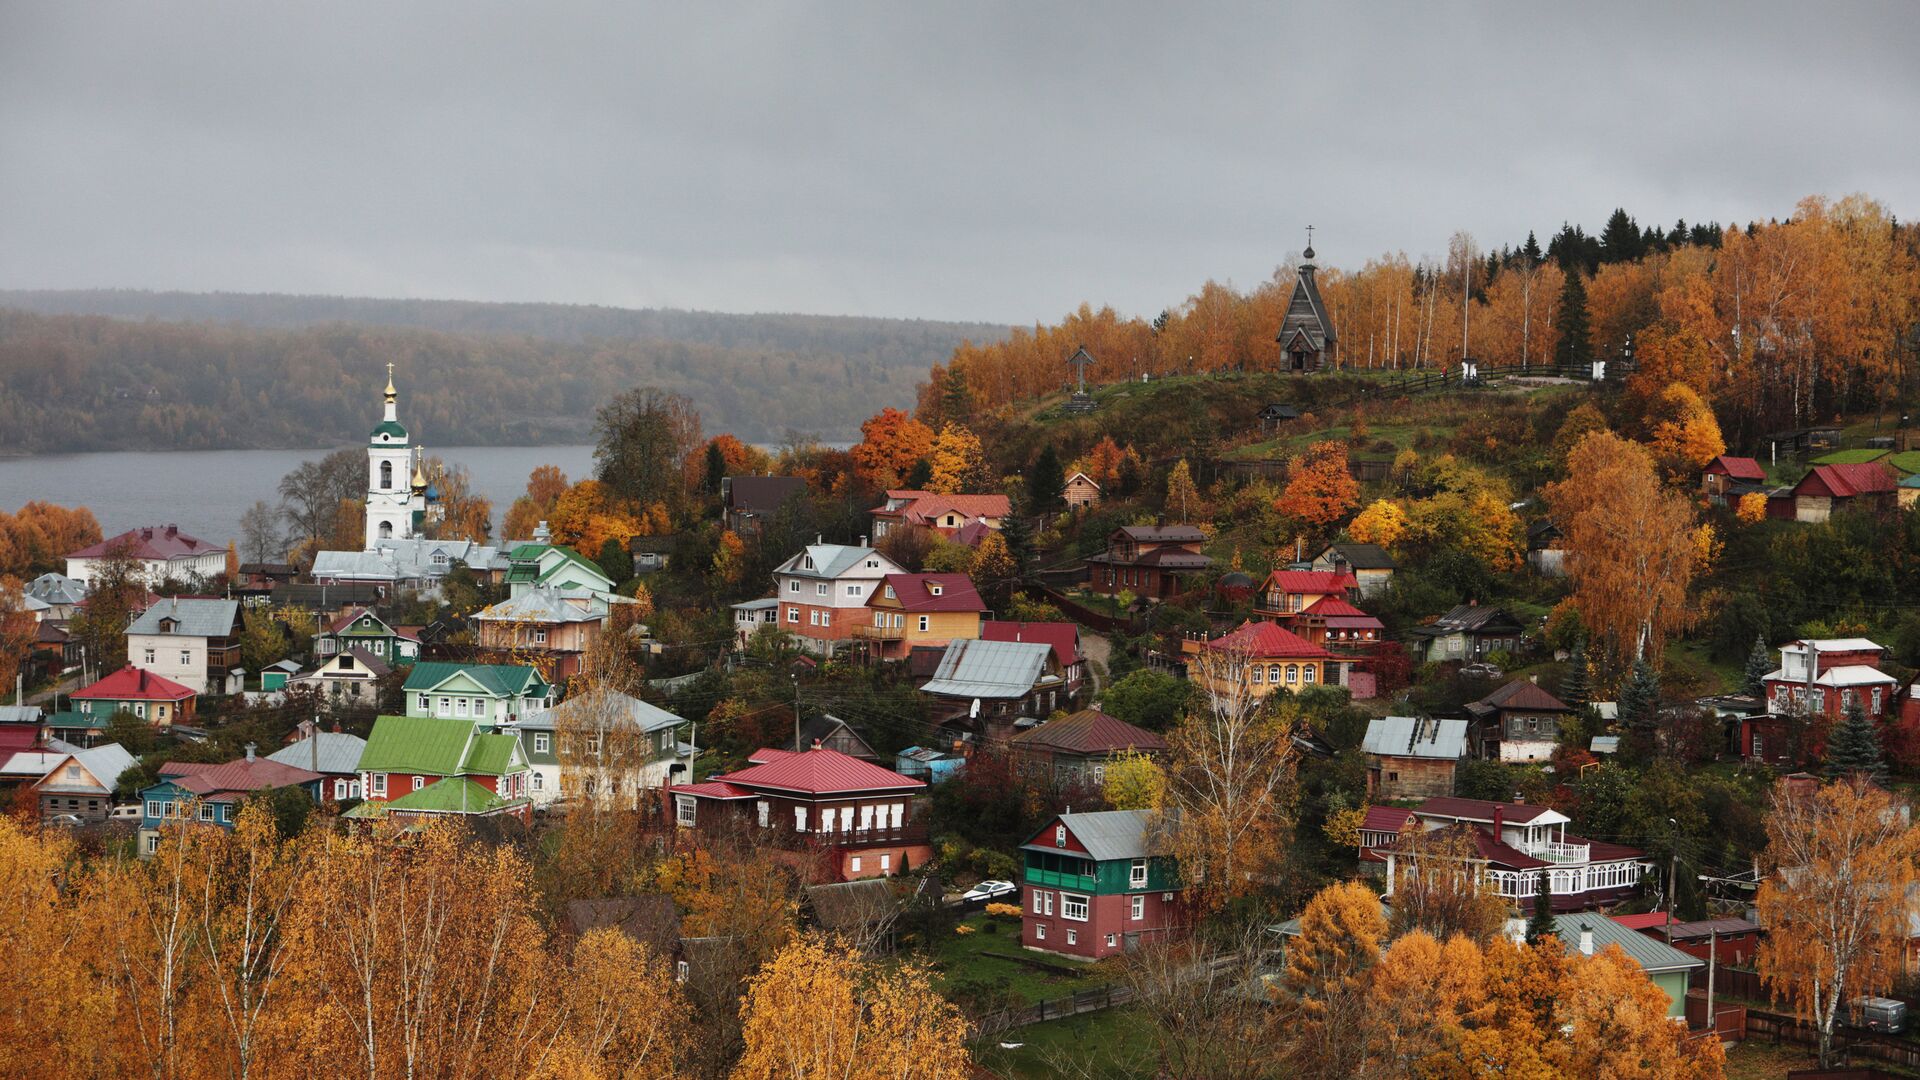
x,y
1759,666
1540,926
716,468
1577,688
1621,240
1046,480
1573,350
1532,251
616,560
920,475
1017,531
957,403
1640,710
1854,747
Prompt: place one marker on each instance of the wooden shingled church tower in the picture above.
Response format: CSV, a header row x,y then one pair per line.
x,y
1306,335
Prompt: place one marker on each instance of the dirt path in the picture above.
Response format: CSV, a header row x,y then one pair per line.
x,y
1098,650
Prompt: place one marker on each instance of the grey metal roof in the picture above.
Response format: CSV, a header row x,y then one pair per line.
x,y
1416,737
832,560
196,618
56,589
1653,956
1106,834
106,763
337,752
545,604
19,714
402,560
989,669
622,709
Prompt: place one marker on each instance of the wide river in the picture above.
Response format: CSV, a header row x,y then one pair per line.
x,y
205,491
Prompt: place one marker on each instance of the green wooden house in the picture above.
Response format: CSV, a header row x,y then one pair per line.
x,y
1096,884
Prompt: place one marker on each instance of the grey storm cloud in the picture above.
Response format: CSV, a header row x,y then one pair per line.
x,y
1002,162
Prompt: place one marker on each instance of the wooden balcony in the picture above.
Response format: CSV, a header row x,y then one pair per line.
x,y
864,632
908,833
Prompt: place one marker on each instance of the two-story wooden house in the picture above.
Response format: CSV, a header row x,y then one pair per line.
x,y
554,625
1517,723
600,744
77,783
984,689
920,611
821,594
1288,594
1063,636
1727,477
1507,845
360,628
427,767
1156,562
160,702
193,641
858,816
350,677
1098,884
1073,751
1467,632
490,693
1412,757
944,514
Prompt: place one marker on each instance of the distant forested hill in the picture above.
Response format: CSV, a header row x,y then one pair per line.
x,y
203,371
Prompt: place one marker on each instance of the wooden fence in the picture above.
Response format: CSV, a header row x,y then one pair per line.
x,y
1086,1001
1086,616
1854,1043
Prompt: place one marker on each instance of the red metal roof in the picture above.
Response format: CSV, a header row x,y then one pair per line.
x,y
1334,605
1063,636
1642,920
148,542
1739,468
820,772
15,738
1265,640
170,769
915,592
1847,481
244,775
132,684
768,753
1480,810
712,789
1323,582
1386,819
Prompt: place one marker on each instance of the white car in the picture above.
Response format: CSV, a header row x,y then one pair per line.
x,y
989,890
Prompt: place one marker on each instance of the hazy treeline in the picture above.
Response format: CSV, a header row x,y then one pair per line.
x,y
523,374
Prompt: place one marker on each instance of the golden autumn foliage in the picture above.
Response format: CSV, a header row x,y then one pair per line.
x,y
738,458
545,485
1629,542
1840,866
1752,508
1684,434
1102,462
819,1009
586,516
37,537
1183,496
958,463
1133,781
1382,523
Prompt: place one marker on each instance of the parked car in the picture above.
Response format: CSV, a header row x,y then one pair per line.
x,y
1482,670
66,821
129,812
1879,1014
989,890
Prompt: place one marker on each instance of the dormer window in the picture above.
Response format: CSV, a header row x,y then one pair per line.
x,y
439,558
934,590
807,561
1059,836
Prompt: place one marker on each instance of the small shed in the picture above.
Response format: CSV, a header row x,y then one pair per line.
x,y
1412,757
1080,490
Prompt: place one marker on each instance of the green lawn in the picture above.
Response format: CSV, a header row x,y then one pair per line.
x,y
1112,1043
975,970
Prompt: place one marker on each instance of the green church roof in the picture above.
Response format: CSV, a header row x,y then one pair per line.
x,y
390,428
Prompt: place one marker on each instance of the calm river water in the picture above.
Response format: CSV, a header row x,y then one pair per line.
x,y
206,491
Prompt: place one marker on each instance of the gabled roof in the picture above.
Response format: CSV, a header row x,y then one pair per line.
x,y
1105,834
1416,737
1653,956
501,680
1481,810
1522,694
1386,819
1842,675
157,542
989,669
547,562
1089,732
621,710
830,561
56,589
818,772
1267,641
1360,556
915,592
449,795
243,775
421,744
1847,481
1469,617
103,763
1739,468
191,617
132,684
334,664
1083,476
1311,582
925,508
763,494
492,754
544,604
327,752
816,732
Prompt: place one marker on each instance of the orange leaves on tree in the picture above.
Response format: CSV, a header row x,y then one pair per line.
x,y
891,443
1752,508
958,463
1685,435
1321,490
584,518
1382,523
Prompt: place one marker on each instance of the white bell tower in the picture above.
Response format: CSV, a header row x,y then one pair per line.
x,y
390,470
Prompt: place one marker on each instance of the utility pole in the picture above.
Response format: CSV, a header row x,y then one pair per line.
x,y
1713,963
1673,883
796,713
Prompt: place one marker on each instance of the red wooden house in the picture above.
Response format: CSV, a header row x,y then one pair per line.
x,y
1287,594
1149,561
1726,477
1831,488
858,815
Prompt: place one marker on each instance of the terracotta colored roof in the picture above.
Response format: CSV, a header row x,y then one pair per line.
x,y
1063,636
819,772
148,542
171,769
968,506
1265,640
1740,468
132,684
1089,732
713,789
1324,582
244,775
1642,920
915,592
1846,481
1523,694
1480,810
1386,819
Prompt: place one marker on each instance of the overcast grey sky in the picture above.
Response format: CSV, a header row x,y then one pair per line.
x,y
999,162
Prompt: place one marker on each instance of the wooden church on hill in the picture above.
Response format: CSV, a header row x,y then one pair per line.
x,y
1306,335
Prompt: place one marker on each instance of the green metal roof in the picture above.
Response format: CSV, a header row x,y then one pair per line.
x,y
417,744
450,796
492,755
1850,457
1652,955
388,427
504,680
